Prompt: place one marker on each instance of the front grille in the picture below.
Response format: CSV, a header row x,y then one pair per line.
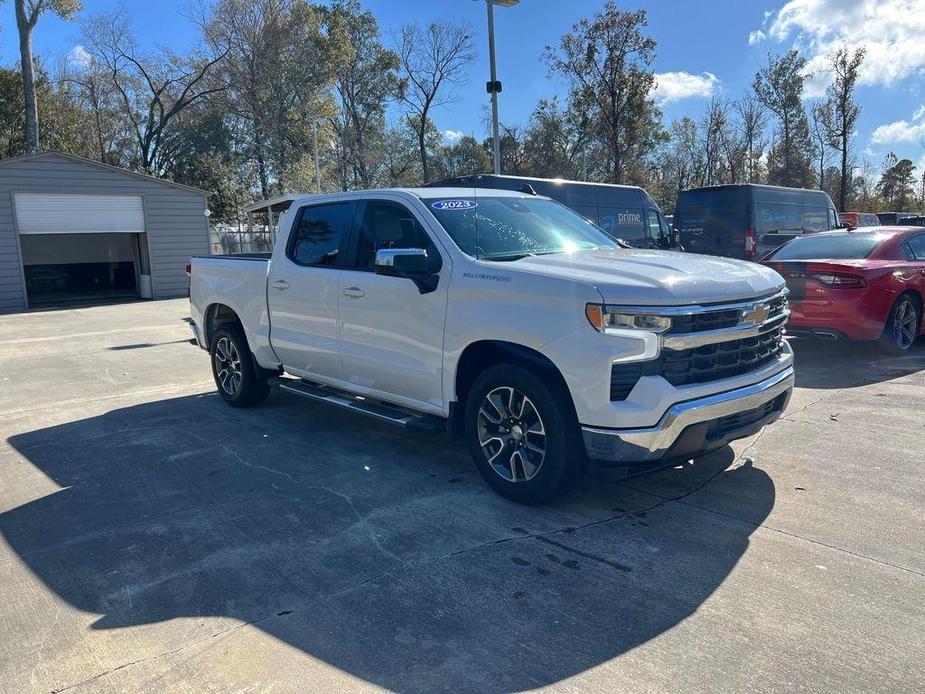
x,y
720,318
700,364
699,322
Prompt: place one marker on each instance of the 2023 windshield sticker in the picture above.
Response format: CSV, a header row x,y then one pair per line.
x,y
454,204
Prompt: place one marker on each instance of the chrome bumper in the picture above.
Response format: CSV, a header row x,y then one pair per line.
x,y
693,427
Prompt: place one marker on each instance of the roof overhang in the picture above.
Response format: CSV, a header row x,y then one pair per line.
x,y
279,203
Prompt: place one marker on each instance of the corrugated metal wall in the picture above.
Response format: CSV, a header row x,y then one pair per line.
x,y
176,225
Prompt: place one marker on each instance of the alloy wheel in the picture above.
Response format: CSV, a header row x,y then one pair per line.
x,y
228,366
905,321
511,434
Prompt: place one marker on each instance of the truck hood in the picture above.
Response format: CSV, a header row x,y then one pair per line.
x,y
657,278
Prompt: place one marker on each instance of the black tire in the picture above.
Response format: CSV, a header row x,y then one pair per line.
x,y
524,476
244,386
905,317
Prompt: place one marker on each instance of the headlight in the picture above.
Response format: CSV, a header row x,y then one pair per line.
x,y
604,318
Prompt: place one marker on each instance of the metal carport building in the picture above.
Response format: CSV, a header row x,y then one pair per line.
x,y
76,230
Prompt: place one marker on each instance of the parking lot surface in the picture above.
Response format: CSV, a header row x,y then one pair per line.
x,y
154,539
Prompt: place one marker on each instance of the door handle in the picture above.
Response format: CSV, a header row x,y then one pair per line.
x,y
279,284
354,292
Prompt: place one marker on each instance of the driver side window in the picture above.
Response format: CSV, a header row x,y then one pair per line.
x,y
388,224
657,227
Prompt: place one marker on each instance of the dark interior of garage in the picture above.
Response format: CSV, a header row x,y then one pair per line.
x,y
62,269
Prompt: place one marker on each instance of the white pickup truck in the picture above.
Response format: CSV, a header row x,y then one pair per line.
x,y
503,317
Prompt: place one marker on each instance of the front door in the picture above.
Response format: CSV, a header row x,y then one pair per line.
x,y
303,290
391,333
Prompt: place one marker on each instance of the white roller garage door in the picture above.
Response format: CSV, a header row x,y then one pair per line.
x,y
57,213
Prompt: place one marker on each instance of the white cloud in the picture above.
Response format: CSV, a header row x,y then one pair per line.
x,y
901,130
756,37
78,55
453,135
890,30
674,86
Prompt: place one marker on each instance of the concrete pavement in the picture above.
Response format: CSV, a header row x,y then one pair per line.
x,y
153,539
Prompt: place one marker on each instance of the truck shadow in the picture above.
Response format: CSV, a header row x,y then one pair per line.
x,y
376,551
832,365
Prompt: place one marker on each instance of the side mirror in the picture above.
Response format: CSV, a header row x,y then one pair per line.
x,y
411,263
401,262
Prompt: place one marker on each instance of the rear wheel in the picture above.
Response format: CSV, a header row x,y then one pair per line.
x,y
239,380
522,435
902,325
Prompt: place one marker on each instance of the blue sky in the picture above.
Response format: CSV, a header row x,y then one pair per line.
x,y
703,48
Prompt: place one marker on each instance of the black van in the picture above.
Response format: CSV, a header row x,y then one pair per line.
x,y
892,219
627,213
748,220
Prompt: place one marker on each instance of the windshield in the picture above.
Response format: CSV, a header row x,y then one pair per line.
x,y
834,247
507,228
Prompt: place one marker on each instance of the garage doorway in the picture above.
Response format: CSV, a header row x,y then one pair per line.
x,y
79,268
81,248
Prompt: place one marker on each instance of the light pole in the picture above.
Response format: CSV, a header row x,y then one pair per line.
x,y
494,86
315,146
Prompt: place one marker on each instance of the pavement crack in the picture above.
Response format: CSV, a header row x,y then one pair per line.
x,y
361,519
826,396
797,536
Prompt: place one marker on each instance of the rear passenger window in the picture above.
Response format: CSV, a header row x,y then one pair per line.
x,y
917,245
316,238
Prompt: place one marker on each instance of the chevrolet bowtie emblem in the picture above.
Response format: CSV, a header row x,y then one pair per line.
x,y
757,315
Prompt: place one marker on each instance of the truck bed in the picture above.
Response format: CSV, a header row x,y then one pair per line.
x,y
237,281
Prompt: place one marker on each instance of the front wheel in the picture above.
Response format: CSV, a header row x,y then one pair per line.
x,y
237,377
522,435
902,325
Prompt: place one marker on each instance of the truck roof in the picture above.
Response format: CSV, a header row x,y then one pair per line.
x,y
450,192
535,179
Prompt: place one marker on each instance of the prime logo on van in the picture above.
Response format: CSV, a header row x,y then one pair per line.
x,y
629,218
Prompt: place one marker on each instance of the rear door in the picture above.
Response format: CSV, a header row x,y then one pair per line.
x,y
303,291
916,245
391,331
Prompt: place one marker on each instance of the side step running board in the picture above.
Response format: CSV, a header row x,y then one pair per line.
x,y
393,414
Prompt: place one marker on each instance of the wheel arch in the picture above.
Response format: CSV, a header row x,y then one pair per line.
x,y
481,354
215,316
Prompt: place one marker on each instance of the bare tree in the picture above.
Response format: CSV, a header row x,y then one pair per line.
x,y
840,112
779,86
432,61
27,16
820,139
93,92
752,120
365,79
714,126
153,90
608,62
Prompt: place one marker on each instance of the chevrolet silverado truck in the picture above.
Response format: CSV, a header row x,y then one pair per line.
x,y
503,317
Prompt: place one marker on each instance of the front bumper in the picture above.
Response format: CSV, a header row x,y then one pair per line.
x,y
692,427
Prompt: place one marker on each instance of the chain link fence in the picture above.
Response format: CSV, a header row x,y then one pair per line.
x,y
225,239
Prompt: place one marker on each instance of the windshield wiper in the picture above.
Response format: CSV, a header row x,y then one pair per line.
x,y
509,257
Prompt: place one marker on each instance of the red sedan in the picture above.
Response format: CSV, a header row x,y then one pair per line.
x,y
866,284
